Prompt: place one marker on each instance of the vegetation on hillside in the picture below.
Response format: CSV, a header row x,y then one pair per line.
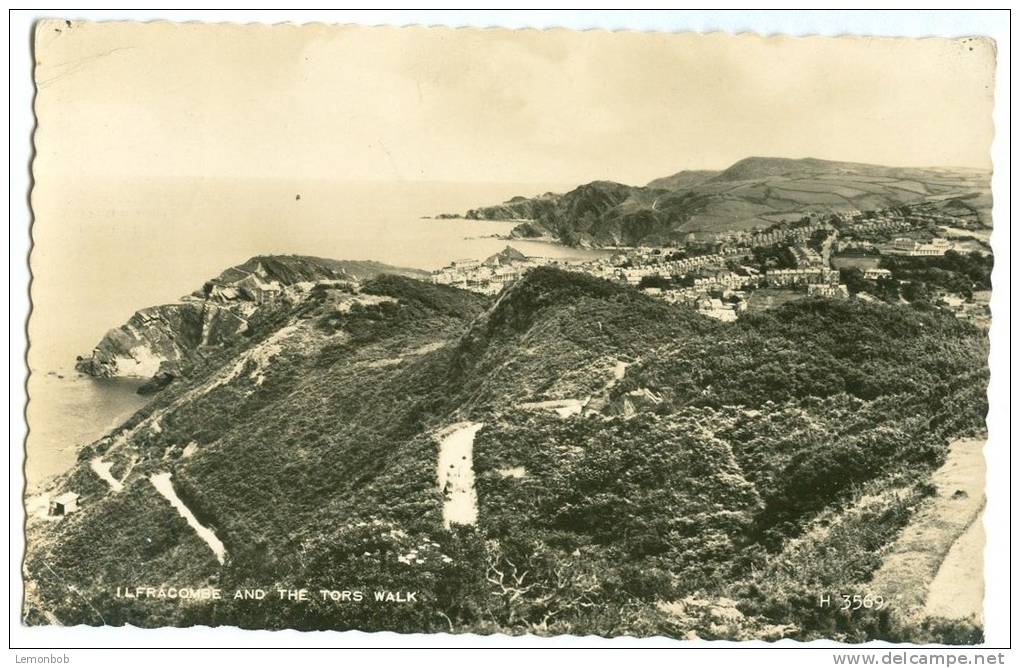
x,y
919,280
734,472
754,192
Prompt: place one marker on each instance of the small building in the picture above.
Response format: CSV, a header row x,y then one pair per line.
x,y
827,290
904,245
801,277
937,246
64,504
875,274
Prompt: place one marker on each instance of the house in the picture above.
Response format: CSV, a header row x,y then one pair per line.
x,y
799,277
937,246
875,274
904,245
64,504
827,290
715,308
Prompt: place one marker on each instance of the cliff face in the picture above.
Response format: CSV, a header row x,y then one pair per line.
x,y
517,208
172,338
595,214
167,337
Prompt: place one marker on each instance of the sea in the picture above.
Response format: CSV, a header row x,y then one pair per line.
x,y
104,250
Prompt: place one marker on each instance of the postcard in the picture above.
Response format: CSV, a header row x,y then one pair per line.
x,y
489,331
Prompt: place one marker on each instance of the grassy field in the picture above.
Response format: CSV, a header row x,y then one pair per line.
x,y
766,298
861,262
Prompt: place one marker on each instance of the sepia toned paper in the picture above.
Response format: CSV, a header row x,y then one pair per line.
x,y
437,330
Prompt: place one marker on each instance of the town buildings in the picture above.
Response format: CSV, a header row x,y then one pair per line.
x,y
801,277
914,248
716,277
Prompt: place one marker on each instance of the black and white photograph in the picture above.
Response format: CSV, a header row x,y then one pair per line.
x,y
509,332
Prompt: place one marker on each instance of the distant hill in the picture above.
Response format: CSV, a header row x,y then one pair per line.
x,y
762,167
753,192
681,180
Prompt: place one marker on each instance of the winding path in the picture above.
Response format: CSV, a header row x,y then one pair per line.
x,y
934,568
163,485
102,469
957,592
456,475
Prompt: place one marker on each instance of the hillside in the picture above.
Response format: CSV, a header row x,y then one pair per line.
x,y
630,467
753,192
168,341
517,208
683,179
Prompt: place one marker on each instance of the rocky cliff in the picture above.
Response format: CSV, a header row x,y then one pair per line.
x,y
168,337
169,340
516,208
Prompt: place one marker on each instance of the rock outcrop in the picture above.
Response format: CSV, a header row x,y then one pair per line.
x,y
165,342
517,208
171,333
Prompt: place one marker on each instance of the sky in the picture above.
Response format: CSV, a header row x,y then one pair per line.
x,y
159,100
